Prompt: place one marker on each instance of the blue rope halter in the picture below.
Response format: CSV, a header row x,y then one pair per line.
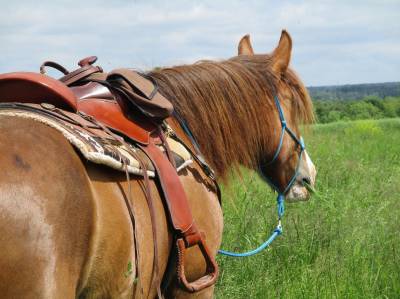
x,y
281,197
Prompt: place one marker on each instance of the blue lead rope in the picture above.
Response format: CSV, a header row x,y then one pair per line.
x,y
277,231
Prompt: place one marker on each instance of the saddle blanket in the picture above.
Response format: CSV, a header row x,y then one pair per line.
x,y
95,143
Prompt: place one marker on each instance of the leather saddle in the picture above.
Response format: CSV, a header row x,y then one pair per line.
x,y
123,100
128,103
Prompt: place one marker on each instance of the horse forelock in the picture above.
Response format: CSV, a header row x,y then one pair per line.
x,y
229,106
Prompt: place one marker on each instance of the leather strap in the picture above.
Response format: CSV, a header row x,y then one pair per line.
x,y
182,220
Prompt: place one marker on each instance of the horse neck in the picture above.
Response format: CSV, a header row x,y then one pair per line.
x,y
222,110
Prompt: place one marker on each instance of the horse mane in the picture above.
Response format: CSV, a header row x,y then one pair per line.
x,y
229,106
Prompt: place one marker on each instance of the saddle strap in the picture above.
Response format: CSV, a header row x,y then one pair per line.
x,y
182,220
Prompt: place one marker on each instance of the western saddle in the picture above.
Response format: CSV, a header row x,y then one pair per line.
x,y
129,104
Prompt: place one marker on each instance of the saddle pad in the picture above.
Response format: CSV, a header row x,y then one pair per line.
x,y
95,144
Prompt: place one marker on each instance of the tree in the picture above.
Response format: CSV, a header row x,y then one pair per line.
x,y
363,110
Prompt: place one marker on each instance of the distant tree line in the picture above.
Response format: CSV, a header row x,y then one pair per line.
x,y
368,107
355,91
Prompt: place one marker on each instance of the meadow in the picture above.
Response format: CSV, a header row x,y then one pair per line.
x,y
343,243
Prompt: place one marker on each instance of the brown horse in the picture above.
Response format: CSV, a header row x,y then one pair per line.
x,y
65,231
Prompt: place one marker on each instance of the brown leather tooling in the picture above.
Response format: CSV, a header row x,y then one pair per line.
x,y
129,104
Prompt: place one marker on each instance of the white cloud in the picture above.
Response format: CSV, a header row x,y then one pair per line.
x,y
334,41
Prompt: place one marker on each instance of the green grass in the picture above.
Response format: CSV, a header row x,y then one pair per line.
x,y
343,243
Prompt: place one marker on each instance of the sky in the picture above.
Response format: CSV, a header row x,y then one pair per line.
x,y
334,42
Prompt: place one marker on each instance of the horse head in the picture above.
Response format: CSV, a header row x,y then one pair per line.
x,y
285,165
231,110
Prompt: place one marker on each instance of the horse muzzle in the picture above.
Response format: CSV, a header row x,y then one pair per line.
x,y
305,181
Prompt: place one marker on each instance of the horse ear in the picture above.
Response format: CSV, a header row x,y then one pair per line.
x,y
245,47
281,55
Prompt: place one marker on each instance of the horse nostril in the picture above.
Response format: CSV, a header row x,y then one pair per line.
x,y
306,180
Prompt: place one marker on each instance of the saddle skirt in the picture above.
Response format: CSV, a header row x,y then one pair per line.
x,y
93,142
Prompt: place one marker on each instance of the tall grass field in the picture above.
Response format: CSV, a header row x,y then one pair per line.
x,y
343,243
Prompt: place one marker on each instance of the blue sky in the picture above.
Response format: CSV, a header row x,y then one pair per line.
x,y
334,42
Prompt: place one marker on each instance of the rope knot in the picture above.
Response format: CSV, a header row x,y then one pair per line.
x,y
278,230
